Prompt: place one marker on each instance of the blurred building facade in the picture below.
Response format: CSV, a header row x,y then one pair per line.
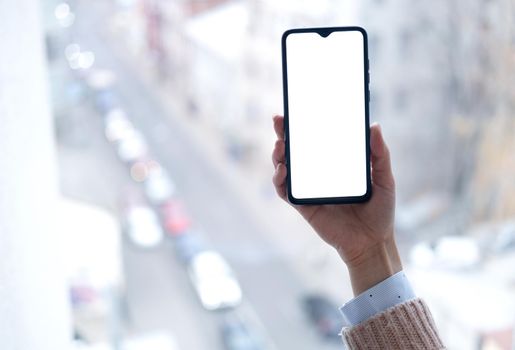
x,y
440,83
491,87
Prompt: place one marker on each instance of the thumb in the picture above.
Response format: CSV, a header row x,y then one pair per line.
x,y
382,175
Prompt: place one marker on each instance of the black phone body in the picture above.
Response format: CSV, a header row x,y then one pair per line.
x,y
326,115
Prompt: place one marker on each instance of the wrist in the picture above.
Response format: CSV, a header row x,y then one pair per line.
x,y
374,265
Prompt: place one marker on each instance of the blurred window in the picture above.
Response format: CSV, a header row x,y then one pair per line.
x,y
373,46
406,39
401,99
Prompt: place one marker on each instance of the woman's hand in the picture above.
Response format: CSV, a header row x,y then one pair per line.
x,y
362,234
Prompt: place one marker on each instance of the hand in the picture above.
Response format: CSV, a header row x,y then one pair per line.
x,y
362,234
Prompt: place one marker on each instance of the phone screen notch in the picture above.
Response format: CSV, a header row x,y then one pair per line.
x,y
325,32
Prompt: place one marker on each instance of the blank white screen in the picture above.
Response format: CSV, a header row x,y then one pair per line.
x,y
326,104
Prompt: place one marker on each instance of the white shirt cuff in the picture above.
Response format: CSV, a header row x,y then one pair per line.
x,y
394,290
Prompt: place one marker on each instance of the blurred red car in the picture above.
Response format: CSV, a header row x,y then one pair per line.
x,y
175,218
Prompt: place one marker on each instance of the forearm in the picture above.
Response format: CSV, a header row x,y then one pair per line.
x,y
385,312
376,264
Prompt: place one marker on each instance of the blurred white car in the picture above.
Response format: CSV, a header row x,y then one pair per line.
x,y
214,281
117,125
132,147
143,227
159,187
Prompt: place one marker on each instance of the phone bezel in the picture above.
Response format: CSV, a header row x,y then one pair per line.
x,y
324,32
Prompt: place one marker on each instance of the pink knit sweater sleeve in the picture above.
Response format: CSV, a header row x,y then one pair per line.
x,y
405,326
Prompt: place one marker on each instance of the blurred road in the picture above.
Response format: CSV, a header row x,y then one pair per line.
x,y
158,290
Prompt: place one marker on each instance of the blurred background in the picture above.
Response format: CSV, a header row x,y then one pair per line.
x,y
137,210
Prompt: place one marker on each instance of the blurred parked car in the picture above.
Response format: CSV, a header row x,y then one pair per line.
x,y
117,125
324,314
505,240
143,227
448,252
105,100
495,239
154,340
214,281
237,336
188,245
175,218
159,186
132,147
100,81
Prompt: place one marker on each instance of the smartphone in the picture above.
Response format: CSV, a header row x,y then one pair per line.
x,y
326,115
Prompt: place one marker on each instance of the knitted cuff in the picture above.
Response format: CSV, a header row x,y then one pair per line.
x,y
405,326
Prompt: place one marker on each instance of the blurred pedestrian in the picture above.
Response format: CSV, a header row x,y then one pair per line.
x,y
385,313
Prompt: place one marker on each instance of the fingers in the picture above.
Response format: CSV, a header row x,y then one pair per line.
x,y
278,152
382,175
279,180
279,126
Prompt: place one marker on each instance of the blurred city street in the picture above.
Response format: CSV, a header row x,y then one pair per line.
x,y
159,295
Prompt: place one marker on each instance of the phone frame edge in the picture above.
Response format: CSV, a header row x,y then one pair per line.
x,y
326,200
